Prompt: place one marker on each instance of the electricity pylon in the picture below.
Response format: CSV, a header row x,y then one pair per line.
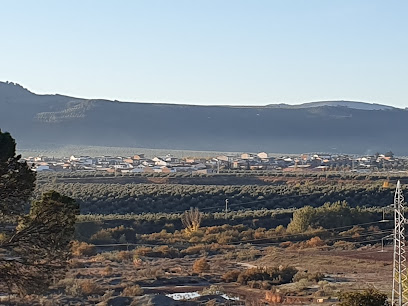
x,y
399,283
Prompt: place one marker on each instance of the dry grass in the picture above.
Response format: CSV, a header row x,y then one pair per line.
x,y
132,291
121,271
107,271
89,287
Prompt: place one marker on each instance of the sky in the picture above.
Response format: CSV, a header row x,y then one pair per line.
x,y
234,52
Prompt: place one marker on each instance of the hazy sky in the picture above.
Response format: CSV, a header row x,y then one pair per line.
x,y
209,52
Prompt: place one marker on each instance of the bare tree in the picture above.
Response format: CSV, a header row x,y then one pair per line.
x,y
191,220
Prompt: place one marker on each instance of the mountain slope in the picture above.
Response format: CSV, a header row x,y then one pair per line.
x,y
349,104
36,120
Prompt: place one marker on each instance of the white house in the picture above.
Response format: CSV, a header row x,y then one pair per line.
x,y
123,166
159,162
262,155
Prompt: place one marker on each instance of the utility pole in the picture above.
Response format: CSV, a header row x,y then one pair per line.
x,y
399,275
226,208
218,165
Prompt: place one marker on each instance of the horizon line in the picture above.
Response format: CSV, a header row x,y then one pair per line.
x,y
199,104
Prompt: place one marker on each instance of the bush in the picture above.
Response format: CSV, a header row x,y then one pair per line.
x,y
75,263
277,276
313,277
125,256
326,216
88,287
368,297
103,236
315,242
230,276
144,251
71,286
137,262
194,250
212,290
344,245
82,249
201,265
107,271
166,251
132,291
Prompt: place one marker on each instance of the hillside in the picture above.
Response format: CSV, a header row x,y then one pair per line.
x,y
348,104
331,126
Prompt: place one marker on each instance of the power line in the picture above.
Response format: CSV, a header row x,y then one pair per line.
x,y
328,239
315,231
326,248
339,238
244,242
276,237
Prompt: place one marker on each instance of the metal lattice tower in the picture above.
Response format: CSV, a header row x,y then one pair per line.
x,y
400,282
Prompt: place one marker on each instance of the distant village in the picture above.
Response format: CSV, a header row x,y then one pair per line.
x,y
139,163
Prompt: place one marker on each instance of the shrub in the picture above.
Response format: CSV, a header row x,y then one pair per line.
x,y
166,251
286,244
368,297
280,229
137,262
3,237
277,276
107,271
344,245
75,263
89,287
194,239
248,254
144,251
82,249
201,265
132,291
71,286
230,276
125,256
212,290
151,272
103,236
98,258
313,277
194,250
315,242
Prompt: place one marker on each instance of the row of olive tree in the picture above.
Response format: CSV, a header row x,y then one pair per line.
x,y
171,198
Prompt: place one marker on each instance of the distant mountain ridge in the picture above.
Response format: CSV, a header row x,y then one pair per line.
x,y
349,104
325,126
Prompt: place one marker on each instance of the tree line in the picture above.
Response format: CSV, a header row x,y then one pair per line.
x,y
97,198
